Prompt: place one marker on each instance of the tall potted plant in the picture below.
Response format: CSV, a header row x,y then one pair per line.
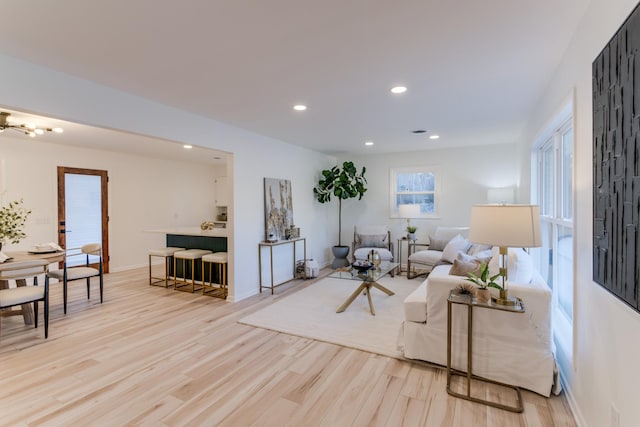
x,y
344,183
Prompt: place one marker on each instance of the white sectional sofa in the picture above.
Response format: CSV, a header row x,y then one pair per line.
x,y
508,347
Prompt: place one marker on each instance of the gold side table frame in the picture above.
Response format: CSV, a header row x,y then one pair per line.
x,y
471,303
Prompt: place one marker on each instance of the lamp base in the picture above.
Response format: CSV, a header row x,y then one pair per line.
x,y
510,301
505,299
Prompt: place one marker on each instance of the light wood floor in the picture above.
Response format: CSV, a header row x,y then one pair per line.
x,y
157,357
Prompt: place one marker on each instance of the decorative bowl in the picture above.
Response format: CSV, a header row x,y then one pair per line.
x,y
362,265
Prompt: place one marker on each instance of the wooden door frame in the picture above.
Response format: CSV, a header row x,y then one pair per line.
x,y
104,180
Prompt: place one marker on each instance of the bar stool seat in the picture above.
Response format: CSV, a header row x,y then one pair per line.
x,y
167,255
217,289
188,256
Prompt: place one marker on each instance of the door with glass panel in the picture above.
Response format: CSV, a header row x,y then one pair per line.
x,y
83,210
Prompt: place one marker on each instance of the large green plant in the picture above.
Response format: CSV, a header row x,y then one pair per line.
x,y
342,182
12,220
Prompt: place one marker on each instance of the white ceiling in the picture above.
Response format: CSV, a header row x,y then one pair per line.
x,y
473,68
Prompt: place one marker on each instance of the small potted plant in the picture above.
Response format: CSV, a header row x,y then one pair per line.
x,y
12,220
411,229
483,282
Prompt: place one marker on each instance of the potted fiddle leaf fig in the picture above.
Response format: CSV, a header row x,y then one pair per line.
x,y
344,183
484,282
12,221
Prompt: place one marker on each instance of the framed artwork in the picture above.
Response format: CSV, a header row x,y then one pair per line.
x,y
616,163
278,207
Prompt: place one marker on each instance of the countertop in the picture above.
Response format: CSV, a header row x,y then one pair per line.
x,y
191,231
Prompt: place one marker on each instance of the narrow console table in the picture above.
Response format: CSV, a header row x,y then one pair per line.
x,y
472,303
278,263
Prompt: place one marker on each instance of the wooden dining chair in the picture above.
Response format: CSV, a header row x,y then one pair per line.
x,y
72,271
22,270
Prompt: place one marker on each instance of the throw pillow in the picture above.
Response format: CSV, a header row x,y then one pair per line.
x,y
475,248
462,268
372,240
437,244
519,265
457,244
481,257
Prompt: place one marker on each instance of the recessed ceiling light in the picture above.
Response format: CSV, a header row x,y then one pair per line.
x,y
398,89
187,146
299,107
368,143
434,137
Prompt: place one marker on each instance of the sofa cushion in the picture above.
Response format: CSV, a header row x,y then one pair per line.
x,y
457,244
519,265
428,257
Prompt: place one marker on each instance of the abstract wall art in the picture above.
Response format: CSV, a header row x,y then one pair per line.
x,y
278,207
616,167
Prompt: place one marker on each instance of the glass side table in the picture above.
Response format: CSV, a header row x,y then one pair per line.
x,y
471,303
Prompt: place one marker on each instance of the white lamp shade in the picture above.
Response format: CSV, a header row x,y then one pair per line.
x,y
409,211
515,226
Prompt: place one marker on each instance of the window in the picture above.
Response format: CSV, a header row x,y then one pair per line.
x,y
553,175
414,186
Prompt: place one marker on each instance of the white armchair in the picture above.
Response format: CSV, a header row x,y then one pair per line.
x,y
372,237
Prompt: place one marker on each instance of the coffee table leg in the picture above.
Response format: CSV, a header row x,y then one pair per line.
x,y
382,288
353,296
373,312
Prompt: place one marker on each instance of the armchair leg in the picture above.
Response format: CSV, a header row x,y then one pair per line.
x,y
88,288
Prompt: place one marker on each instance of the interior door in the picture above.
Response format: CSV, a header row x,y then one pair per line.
x,y
83,209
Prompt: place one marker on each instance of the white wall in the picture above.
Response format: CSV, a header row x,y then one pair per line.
x,y
606,350
144,193
43,91
464,175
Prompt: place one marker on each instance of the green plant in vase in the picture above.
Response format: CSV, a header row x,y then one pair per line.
x,y
411,230
484,282
13,218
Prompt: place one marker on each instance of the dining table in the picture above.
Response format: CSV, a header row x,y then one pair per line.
x,y
26,310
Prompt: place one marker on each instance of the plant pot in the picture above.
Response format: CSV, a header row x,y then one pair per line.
x,y
340,256
411,236
483,295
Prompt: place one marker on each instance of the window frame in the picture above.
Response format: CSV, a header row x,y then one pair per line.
x,y
552,141
393,193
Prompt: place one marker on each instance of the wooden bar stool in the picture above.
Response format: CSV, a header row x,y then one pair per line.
x,y
167,255
189,256
210,287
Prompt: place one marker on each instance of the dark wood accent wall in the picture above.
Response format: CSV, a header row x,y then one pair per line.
x,y
616,163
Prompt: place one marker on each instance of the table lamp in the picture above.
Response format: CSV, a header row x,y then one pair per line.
x,y
505,226
409,211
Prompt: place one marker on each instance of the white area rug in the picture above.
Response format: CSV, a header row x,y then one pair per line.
x,y
311,313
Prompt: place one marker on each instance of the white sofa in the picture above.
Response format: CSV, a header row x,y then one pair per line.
x,y
508,347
